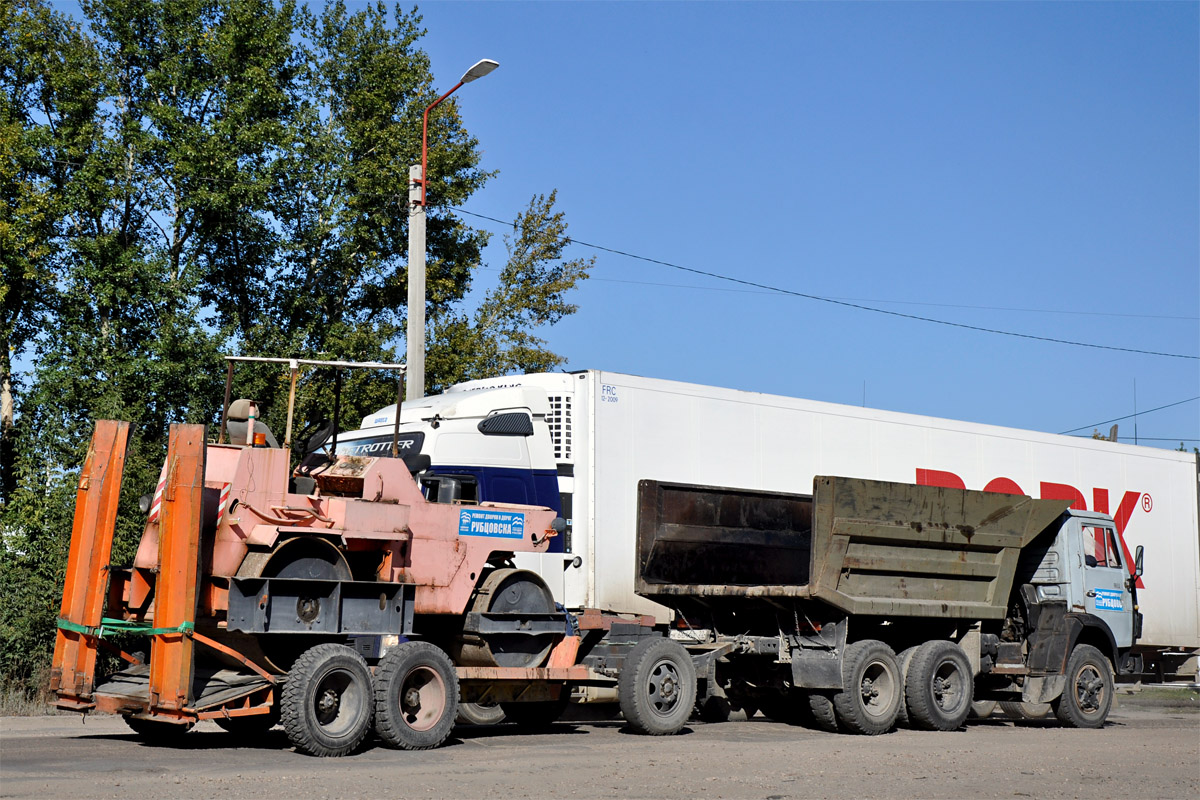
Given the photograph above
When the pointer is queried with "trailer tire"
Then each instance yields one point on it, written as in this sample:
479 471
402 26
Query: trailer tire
821 712
872 690
1024 712
715 709
480 714
158 732
939 686
657 687
251 725
326 707
416 696
904 658
1087 699
537 715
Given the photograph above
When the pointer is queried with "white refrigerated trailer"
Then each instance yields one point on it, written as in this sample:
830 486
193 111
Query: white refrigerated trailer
580 442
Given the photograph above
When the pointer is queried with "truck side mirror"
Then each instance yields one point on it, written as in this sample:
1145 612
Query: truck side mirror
1137 561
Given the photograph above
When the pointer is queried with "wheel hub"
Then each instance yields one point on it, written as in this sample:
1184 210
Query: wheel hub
664 687
328 704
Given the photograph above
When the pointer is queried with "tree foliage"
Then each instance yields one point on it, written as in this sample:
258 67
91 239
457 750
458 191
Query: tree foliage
189 178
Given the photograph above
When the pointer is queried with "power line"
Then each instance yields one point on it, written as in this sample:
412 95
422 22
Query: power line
1138 414
790 292
892 302
846 303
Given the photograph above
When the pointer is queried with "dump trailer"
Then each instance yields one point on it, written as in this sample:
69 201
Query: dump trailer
331 596
867 601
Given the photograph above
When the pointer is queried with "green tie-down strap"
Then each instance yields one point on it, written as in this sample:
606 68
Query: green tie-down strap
110 626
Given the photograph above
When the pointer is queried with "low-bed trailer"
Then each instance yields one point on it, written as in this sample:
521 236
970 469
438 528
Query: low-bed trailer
333 598
868 601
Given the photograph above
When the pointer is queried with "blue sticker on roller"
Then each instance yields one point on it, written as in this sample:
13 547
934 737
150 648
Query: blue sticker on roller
1109 600
497 524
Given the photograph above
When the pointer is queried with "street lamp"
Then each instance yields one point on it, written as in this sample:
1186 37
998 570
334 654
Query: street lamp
415 376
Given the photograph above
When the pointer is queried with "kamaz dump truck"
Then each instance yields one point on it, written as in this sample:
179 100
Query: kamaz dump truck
869 601
329 595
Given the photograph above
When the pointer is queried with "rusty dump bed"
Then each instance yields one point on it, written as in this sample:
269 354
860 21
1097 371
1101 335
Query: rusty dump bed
863 547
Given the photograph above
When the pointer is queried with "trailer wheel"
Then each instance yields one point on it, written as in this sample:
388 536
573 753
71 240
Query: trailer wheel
938 686
870 698
714 709
657 687
1021 711
326 704
416 696
1086 700
537 715
480 714
251 725
158 732
821 711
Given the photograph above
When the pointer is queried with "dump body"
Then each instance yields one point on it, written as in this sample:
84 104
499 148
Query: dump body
860 546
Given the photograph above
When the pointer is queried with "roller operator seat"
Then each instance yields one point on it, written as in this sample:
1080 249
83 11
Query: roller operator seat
237 420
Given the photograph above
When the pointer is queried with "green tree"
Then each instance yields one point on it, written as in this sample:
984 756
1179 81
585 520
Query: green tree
498 337
191 177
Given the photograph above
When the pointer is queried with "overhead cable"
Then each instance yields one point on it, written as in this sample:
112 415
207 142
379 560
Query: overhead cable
845 303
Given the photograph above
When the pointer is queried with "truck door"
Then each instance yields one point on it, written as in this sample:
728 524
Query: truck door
1106 593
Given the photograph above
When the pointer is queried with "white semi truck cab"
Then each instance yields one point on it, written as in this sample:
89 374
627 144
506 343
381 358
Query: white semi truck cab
484 441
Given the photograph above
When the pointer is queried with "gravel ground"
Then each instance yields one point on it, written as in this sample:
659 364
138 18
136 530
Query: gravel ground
1146 750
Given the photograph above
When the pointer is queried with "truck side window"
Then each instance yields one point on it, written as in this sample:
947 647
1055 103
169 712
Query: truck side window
1100 547
1112 552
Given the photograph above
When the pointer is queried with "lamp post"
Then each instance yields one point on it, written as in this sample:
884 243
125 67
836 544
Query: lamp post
415 376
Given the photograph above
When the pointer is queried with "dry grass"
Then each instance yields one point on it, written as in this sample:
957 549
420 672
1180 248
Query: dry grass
18 699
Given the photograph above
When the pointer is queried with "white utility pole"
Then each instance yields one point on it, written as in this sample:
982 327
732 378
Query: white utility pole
414 384
415 377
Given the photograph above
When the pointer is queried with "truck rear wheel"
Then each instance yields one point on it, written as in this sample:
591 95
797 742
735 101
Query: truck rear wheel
416 696
871 695
326 704
715 709
1029 712
821 711
904 658
1087 698
982 709
938 686
657 687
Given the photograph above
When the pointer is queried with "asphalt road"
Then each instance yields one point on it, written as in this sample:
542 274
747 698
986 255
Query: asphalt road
1141 753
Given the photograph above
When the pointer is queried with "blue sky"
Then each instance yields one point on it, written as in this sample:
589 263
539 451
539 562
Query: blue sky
1027 167
938 159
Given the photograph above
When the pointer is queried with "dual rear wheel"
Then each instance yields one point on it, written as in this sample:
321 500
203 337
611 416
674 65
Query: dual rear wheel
330 700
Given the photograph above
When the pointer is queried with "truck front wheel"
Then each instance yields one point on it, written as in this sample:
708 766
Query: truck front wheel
871 689
657 687
1087 698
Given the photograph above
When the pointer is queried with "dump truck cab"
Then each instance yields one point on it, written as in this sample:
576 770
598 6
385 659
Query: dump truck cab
1085 568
